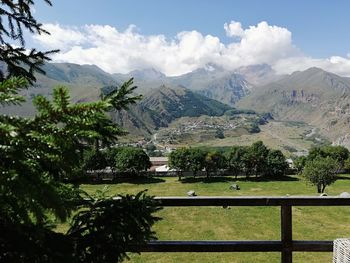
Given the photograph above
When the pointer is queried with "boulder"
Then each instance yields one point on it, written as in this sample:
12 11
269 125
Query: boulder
344 195
235 187
191 193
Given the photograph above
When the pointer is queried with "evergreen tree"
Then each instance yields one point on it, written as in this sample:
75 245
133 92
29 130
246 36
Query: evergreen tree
17 16
38 153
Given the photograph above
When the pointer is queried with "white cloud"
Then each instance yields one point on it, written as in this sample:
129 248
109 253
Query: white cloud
60 37
234 29
123 51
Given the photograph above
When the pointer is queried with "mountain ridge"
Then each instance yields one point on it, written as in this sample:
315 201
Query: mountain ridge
313 96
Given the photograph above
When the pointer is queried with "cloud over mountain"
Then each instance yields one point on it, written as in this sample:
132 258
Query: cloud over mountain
123 51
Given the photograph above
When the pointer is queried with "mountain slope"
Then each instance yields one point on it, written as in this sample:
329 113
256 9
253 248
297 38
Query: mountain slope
211 81
163 105
83 81
172 103
314 96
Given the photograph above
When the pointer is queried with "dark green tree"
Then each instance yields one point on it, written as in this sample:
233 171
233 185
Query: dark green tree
196 160
235 160
347 165
131 159
214 160
276 163
180 160
339 153
219 133
255 159
94 160
299 163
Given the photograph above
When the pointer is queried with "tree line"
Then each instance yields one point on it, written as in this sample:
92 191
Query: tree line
124 159
254 160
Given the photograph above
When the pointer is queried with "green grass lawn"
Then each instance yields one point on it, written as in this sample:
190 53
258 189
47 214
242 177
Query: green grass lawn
237 223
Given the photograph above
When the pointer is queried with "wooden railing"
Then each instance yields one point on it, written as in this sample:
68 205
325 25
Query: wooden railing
286 245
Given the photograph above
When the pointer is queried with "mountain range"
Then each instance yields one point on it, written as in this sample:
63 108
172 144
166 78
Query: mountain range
313 96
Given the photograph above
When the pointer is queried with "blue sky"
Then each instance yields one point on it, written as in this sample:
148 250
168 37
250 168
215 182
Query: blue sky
318 29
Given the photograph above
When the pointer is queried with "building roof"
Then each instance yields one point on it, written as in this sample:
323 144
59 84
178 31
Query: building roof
158 159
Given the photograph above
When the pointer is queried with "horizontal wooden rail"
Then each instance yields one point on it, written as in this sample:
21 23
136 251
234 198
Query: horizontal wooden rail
232 246
254 201
286 245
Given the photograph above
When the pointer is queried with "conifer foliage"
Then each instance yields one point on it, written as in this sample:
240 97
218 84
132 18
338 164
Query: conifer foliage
15 17
39 154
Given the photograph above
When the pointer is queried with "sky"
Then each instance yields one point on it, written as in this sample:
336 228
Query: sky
177 37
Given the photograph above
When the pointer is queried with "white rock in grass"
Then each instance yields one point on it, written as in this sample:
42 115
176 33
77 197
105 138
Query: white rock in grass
323 194
344 195
191 193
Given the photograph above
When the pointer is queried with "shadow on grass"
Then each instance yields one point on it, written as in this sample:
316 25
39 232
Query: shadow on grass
285 178
343 177
214 179
223 179
135 180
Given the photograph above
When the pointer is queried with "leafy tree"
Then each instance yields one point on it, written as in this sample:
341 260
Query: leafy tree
131 159
339 153
196 160
321 171
235 160
94 160
314 153
254 127
347 165
255 159
299 163
276 163
214 160
179 160
219 133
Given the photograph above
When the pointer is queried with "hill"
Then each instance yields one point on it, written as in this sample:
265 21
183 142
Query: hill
161 106
313 96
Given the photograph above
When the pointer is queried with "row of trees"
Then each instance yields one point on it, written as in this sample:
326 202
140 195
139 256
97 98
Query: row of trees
123 159
256 160
321 166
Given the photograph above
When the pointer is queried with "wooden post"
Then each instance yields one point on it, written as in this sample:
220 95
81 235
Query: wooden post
286 234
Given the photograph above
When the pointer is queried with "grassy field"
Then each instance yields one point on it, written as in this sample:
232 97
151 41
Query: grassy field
237 223
275 134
